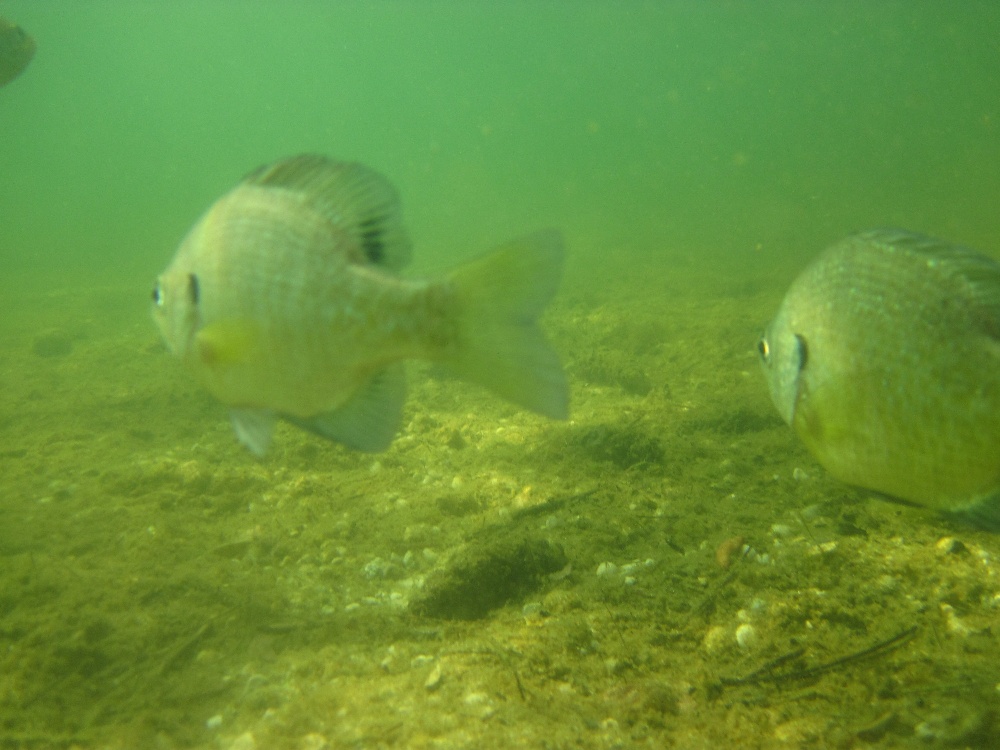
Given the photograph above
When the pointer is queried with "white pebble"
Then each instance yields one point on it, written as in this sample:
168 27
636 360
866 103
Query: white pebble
214 722
714 639
954 623
746 636
433 681
606 569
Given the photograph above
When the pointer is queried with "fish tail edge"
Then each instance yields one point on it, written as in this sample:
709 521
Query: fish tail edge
501 347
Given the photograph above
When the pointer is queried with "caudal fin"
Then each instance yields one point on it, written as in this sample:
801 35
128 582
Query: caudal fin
500 297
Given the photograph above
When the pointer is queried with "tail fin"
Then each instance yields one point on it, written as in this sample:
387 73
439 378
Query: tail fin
500 297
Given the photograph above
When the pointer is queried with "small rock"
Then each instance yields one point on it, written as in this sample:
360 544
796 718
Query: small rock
746 636
606 569
487 576
715 639
949 545
726 552
433 681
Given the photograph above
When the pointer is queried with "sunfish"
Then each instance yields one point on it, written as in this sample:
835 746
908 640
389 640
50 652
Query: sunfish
16 50
885 358
284 301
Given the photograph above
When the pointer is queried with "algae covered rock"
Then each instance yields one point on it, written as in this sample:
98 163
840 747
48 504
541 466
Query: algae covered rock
487 576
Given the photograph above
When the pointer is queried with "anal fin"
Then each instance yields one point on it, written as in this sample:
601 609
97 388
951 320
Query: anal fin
983 513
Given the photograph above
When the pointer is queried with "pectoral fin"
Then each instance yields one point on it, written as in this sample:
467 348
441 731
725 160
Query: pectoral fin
254 428
227 342
983 513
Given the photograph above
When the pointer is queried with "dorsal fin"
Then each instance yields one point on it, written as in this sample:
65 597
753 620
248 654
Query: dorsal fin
975 276
352 197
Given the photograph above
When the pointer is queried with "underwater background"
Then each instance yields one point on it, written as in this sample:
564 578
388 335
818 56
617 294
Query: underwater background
669 568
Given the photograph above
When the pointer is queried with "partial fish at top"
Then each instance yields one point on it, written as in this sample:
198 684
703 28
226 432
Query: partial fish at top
16 50
284 301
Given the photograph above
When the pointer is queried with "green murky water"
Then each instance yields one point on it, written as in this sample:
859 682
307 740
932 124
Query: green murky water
159 587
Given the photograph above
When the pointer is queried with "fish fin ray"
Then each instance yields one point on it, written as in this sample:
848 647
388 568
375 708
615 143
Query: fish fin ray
370 419
983 513
352 197
254 428
976 276
500 297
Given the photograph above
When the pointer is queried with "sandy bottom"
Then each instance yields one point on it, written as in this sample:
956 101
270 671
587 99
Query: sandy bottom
669 568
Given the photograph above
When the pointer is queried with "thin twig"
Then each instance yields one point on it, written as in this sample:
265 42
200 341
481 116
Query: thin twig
767 672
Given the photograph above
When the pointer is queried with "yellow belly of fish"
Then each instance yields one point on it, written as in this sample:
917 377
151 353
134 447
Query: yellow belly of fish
931 457
252 367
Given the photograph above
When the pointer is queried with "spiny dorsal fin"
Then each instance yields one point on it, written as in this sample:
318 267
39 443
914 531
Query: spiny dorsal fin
975 276
350 196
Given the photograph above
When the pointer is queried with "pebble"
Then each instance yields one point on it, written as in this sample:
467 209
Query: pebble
746 636
715 639
433 681
606 569
954 623
949 545
726 551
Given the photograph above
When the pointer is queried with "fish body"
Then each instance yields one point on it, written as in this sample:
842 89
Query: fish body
885 358
16 50
285 301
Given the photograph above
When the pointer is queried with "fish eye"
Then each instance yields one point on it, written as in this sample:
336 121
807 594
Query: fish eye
803 348
193 288
157 296
763 348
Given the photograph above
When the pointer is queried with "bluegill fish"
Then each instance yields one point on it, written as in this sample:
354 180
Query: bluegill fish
885 359
285 301
16 50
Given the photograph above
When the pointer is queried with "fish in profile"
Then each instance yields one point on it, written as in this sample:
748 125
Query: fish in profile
285 301
885 359
16 50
